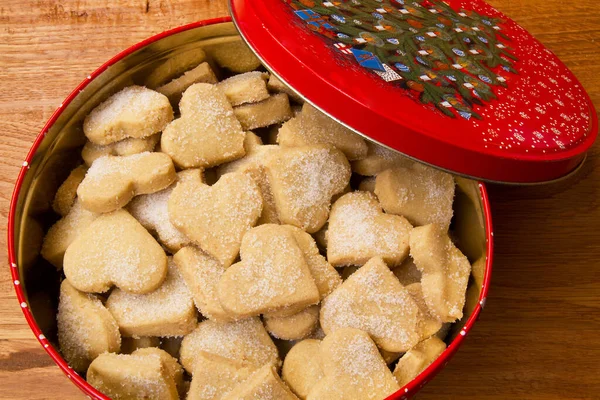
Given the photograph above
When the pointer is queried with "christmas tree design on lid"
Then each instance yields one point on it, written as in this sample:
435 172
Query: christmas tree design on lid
447 58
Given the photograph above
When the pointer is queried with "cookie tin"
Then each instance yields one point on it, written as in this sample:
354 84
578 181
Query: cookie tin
57 149
454 84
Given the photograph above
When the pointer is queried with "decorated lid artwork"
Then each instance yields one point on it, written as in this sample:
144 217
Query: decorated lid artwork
454 84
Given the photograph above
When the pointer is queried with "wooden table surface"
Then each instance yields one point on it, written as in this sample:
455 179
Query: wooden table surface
538 337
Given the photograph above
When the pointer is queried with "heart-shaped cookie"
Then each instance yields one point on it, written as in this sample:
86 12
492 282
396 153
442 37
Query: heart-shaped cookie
353 368
126 147
135 112
142 375
373 300
263 383
420 193
216 217
294 327
245 343
167 311
359 230
115 250
207 133
445 271
303 181
302 367
272 275
111 182
86 328
417 359
67 192
213 378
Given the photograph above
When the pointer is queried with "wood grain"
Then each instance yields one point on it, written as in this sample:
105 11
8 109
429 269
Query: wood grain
538 336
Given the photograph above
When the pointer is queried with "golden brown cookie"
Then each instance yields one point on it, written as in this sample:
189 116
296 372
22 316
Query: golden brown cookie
167 311
263 383
302 367
64 232
445 271
294 327
111 182
373 300
173 66
213 378
353 369
234 55
245 343
378 159
417 359
67 192
276 85
115 250
359 230
170 363
408 273
207 133
272 110
250 87
126 147
135 112
313 127
421 194
85 327
325 276
131 344
201 274
133 376
272 275
430 325
253 163
175 88
152 211
303 181
216 217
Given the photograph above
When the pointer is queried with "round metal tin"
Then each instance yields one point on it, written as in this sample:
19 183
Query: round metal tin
58 141
456 84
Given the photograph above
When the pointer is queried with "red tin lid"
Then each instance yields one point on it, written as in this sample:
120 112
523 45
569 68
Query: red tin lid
454 84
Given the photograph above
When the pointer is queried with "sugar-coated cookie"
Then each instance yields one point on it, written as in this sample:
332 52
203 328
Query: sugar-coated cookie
213 378
111 182
302 367
167 311
421 194
126 147
294 327
303 181
445 271
173 66
67 192
135 112
64 231
253 163
115 250
85 327
207 133
359 230
131 344
250 87
378 159
201 274
245 343
273 110
175 88
263 383
272 275
353 368
133 376
325 276
216 217
430 324
152 211
417 359
313 127
408 273
234 55
373 300
276 85
170 363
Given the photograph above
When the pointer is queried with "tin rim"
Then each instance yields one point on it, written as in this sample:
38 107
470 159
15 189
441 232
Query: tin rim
408 390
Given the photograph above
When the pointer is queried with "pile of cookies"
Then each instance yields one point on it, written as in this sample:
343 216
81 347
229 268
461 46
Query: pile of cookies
222 240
